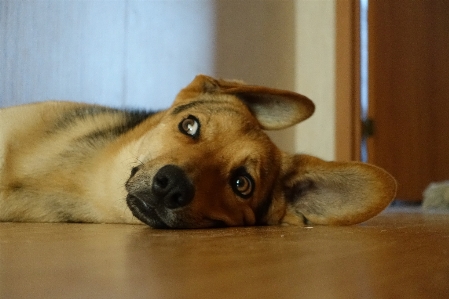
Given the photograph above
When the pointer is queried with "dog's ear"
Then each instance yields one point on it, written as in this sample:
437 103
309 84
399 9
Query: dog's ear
273 108
333 193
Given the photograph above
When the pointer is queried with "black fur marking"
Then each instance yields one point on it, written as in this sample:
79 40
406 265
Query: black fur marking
121 122
81 113
16 186
212 107
131 117
130 121
184 107
67 217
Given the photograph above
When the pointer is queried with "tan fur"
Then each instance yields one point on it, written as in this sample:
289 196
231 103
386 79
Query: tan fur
52 168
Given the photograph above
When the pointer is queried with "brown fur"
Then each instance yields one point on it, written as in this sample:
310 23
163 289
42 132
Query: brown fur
76 162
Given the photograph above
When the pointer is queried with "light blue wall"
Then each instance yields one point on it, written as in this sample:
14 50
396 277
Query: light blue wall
120 53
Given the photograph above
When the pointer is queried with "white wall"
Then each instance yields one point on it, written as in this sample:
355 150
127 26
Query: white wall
315 75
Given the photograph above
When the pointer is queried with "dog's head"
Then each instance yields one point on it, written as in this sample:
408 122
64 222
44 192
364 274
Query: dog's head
207 162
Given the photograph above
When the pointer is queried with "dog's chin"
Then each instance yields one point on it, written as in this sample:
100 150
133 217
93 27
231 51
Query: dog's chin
144 212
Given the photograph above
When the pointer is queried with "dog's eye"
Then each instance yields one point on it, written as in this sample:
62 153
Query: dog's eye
190 126
242 184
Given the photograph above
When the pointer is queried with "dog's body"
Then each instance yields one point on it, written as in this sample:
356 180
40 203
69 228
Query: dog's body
203 162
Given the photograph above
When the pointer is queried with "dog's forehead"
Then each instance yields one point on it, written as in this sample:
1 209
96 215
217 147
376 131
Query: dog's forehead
220 103
224 124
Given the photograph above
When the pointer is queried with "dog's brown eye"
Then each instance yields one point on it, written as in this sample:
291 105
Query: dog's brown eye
242 184
190 126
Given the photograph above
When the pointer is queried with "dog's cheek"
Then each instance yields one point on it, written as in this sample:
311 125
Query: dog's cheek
153 145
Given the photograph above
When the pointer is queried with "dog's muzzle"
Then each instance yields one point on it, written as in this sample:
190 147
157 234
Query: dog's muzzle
150 200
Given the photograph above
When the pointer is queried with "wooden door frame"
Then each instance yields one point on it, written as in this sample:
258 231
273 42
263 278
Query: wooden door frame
347 81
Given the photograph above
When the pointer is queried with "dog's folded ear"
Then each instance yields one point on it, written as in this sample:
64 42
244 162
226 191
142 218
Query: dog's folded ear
274 108
334 193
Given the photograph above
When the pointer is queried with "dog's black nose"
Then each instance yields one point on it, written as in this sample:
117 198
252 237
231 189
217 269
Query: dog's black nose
172 187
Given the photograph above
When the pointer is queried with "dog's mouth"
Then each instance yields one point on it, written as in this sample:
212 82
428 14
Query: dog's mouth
145 213
148 215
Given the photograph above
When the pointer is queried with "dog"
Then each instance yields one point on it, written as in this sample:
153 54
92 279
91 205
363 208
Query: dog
204 162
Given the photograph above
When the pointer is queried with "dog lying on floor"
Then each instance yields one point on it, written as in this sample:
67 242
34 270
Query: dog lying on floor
204 162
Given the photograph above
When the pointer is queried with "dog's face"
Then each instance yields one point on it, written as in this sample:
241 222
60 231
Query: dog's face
207 163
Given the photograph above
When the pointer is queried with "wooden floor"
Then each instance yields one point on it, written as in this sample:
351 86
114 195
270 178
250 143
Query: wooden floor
399 254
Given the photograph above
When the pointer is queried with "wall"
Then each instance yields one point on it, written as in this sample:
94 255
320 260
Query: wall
120 53
315 76
256 42
289 45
